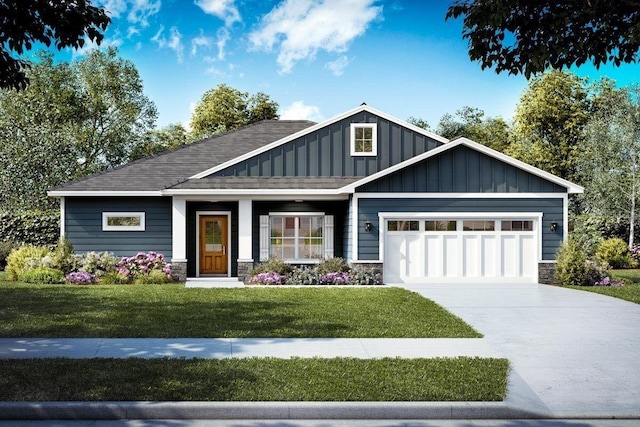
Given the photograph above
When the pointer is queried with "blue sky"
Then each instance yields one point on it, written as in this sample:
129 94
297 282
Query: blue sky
316 58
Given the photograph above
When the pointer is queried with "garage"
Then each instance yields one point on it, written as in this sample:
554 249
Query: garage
472 248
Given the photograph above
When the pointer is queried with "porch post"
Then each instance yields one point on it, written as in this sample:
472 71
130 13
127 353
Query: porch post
179 238
245 244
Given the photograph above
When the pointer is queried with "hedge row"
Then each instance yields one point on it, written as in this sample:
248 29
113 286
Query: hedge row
40 228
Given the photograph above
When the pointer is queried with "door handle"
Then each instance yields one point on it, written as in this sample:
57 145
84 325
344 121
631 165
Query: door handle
224 250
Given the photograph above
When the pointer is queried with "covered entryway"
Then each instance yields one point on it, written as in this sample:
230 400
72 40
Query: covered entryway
471 249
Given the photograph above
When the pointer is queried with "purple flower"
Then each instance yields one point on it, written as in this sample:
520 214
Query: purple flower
81 278
267 279
338 278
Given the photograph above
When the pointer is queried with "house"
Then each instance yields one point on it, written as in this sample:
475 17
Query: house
364 186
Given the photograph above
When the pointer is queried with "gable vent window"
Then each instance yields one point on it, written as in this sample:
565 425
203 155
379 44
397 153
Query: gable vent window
364 139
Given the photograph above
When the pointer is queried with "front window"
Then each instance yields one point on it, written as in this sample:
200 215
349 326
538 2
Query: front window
364 139
123 221
296 237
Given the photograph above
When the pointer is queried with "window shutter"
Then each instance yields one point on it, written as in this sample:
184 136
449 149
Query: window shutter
328 236
264 237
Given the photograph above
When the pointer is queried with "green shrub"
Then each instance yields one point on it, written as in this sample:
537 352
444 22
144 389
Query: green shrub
332 265
305 276
272 265
62 256
154 277
570 267
365 277
39 228
113 278
5 249
615 253
25 258
97 263
42 275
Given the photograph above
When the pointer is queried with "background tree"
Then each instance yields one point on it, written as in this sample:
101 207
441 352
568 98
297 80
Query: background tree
65 23
529 37
224 108
549 122
609 157
472 123
72 120
159 140
419 122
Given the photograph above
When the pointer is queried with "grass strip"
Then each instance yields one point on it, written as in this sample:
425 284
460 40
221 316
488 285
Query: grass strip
170 311
629 293
254 379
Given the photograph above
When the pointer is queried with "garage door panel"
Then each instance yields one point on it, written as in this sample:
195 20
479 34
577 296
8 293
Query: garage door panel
528 255
433 255
414 258
470 260
450 263
508 259
488 256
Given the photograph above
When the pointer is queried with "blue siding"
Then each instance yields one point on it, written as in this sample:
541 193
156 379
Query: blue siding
83 225
327 152
462 170
369 243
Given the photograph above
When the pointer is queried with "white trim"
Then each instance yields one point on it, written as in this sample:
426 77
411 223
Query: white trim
98 193
367 261
314 128
374 139
229 240
179 229
292 213
354 229
214 198
245 230
571 187
565 220
107 227
460 195
299 193
62 216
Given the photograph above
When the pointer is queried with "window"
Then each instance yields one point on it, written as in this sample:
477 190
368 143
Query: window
403 225
440 225
364 139
478 225
299 237
517 225
123 221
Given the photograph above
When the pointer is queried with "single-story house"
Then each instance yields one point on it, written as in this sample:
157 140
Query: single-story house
367 187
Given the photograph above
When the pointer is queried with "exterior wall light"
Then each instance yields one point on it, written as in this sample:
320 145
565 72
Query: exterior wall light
554 226
368 226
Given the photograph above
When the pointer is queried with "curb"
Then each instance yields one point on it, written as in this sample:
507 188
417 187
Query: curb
262 410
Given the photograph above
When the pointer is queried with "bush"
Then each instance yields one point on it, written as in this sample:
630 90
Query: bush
154 277
42 275
332 265
272 265
365 277
81 278
96 263
113 278
62 256
143 264
570 267
5 249
615 253
39 228
339 278
25 258
304 276
270 278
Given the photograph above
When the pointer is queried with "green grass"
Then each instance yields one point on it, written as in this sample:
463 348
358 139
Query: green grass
170 311
339 379
630 292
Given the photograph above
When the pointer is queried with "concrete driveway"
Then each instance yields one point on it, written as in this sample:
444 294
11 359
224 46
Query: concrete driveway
573 353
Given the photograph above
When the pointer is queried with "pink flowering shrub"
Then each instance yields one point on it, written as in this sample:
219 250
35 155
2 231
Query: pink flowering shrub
270 278
142 264
335 278
81 278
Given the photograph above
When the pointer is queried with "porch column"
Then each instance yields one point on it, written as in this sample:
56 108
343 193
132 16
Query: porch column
179 238
245 244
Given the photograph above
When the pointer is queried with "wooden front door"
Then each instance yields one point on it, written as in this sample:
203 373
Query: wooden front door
214 245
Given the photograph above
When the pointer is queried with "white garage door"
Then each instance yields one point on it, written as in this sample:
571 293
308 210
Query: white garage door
427 250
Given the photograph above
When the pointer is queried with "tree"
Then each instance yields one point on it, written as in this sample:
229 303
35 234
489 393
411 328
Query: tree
65 23
528 37
224 108
549 122
159 140
72 120
419 122
609 157
471 123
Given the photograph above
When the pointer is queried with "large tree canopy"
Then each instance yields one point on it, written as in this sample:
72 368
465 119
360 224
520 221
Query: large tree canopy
527 37
224 108
72 120
65 23
472 123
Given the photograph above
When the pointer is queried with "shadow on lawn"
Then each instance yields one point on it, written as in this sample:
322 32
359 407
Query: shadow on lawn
66 311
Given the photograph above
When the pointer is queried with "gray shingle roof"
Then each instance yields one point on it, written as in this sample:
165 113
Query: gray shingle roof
173 167
267 183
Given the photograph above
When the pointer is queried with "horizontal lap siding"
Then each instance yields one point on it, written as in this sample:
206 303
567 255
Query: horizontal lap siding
83 225
327 152
551 208
462 170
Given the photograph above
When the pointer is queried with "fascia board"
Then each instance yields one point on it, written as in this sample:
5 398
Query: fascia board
89 193
314 128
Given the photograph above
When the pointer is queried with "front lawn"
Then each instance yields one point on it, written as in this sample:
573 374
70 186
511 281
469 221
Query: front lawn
629 292
268 379
170 311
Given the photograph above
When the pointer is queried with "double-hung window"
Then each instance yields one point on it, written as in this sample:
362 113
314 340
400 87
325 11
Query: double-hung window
364 139
296 237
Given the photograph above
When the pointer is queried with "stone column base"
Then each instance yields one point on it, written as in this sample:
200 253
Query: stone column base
179 271
374 267
547 272
244 268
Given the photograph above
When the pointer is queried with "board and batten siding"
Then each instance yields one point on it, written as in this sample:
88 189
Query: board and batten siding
83 225
368 209
462 170
327 152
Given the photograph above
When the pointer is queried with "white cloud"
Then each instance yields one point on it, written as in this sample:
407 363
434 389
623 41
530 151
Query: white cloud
223 37
223 9
200 41
298 110
302 27
174 42
142 10
90 45
337 67
114 8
